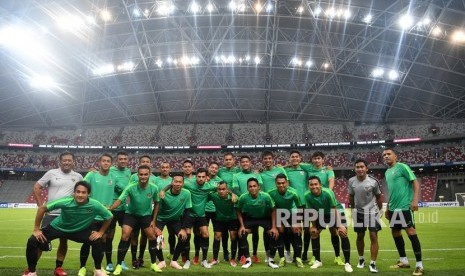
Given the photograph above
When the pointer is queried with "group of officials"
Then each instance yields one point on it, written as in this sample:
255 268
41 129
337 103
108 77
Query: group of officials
292 204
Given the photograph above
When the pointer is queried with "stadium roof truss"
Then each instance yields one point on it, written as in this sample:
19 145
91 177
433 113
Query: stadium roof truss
159 62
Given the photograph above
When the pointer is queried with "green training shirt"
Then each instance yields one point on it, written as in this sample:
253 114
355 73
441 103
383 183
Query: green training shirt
399 180
323 173
140 200
239 186
172 206
102 188
290 200
259 207
325 201
298 180
269 177
135 179
161 183
199 196
121 178
210 207
75 217
225 209
228 174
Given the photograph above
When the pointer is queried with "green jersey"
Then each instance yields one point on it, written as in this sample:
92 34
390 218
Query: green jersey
298 180
102 188
325 201
227 175
225 209
140 199
239 186
75 217
172 206
161 182
323 174
259 207
135 179
199 196
269 177
210 207
190 180
121 178
290 200
399 180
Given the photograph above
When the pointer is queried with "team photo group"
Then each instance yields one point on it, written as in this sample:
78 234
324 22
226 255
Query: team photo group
283 208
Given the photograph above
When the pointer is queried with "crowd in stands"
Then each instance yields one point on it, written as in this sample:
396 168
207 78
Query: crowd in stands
238 134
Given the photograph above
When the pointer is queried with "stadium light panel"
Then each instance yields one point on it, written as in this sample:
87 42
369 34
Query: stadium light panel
210 8
247 58
105 15
296 61
331 12
393 75
367 19
258 7
300 9
377 72
159 63
405 21
128 66
71 23
326 65
317 11
232 6
458 36
43 82
269 8
257 60
346 14
104 70
165 9
136 12
436 31
309 63
146 13
194 7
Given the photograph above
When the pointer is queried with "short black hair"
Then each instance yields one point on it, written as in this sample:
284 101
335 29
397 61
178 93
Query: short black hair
188 161
66 153
177 174
391 149
318 154
121 153
360 160
84 184
106 155
202 170
143 167
281 175
295 151
267 153
222 182
145 156
314 177
252 179
245 157
214 163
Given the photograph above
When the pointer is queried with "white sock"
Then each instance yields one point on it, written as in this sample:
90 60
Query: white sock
419 264
373 262
404 260
361 258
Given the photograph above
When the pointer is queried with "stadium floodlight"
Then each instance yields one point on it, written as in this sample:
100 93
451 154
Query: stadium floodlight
231 59
269 8
436 31
210 8
258 7
194 7
71 23
136 12
326 65
105 15
23 41
43 82
309 63
91 20
425 21
104 70
367 19
300 9
159 63
296 61
127 66
317 11
377 72
405 21
165 9
232 6
146 12
393 75
257 60
458 36
331 12
346 14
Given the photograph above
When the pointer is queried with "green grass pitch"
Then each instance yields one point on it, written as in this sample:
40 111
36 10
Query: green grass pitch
440 231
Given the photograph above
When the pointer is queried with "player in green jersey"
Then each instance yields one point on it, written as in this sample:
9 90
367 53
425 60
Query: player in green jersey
188 170
239 188
144 160
287 201
103 188
255 209
74 223
226 221
404 189
327 211
121 174
162 181
140 212
227 173
173 209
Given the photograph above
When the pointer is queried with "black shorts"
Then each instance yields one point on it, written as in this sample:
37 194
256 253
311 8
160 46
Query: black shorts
196 222
364 221
328 220
401 219
254 223
173 226
134 222
226 225
210 216
47 219
82 236
118 216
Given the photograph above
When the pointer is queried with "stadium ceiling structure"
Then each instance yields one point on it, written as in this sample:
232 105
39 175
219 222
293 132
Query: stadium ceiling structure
81 63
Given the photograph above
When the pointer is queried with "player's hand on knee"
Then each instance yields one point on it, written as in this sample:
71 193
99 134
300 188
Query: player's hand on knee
314 231
274 233
95 235
241 232
39 236
182 235
342 231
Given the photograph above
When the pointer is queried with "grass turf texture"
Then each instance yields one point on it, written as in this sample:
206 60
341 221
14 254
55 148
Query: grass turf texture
440 231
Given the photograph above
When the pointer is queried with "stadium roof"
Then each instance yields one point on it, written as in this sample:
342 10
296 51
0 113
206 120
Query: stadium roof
82 63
